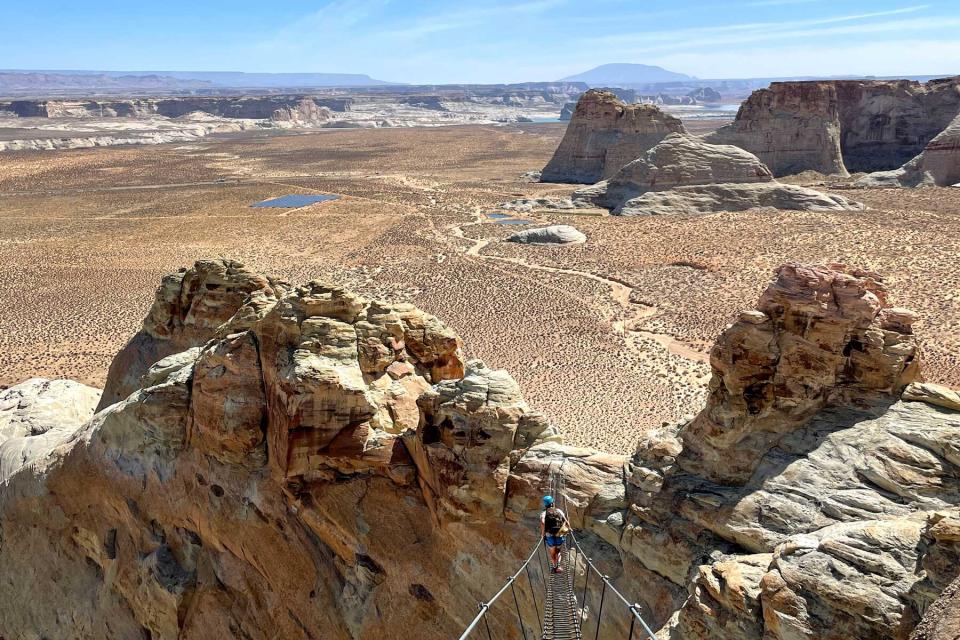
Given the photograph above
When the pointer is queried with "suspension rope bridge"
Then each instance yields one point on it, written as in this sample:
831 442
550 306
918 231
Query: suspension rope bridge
559 601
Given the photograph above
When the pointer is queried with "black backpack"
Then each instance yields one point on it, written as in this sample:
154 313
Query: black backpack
552 521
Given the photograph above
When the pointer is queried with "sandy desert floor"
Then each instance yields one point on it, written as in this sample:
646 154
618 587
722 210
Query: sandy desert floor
607 338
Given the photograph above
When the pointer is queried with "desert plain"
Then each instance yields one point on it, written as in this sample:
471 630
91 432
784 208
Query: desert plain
607 338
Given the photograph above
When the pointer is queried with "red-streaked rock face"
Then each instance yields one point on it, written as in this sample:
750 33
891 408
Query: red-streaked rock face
603 135
845 125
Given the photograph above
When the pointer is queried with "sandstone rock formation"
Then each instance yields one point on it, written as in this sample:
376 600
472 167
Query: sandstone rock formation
304 111
603 135
188 308
37 412
247 107
831 513
845 125
319 465
942 619
937 165
705 95
683 174
290 472
555 234
818 336
734 197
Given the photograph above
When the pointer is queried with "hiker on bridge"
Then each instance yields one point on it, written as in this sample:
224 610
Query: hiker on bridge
553 526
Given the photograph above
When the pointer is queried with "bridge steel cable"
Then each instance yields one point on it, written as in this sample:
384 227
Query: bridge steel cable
563 617
558 487
607 587
480 620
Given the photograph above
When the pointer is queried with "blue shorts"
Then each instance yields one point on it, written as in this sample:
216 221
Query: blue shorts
554 541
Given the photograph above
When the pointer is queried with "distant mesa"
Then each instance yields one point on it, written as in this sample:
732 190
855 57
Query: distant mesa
625 74
603 135
15 82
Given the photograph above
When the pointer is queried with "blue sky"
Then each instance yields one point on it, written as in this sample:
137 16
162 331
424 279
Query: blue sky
499 41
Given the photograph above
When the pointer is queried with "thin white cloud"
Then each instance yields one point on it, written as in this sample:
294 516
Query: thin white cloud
896 57
737 40
465 18
744 28
779 3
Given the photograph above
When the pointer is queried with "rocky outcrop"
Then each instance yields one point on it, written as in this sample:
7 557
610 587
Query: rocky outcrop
818 336
603 135
845 125
684 175
322 465
791 127
734 197
308 470
938 165
305 111
942 619
705 95
556 234
830 513
188 308
36 413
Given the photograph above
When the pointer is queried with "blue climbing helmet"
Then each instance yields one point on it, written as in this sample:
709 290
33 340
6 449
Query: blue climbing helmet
547 501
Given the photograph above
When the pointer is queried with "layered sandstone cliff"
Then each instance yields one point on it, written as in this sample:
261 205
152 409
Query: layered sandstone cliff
845 125
246 107
682 174
938 165
313 464
603 135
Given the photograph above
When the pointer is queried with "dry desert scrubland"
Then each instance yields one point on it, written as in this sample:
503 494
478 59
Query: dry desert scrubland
607 338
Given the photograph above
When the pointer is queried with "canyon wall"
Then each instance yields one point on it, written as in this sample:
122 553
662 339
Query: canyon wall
841 126
310 464
250 107
937 165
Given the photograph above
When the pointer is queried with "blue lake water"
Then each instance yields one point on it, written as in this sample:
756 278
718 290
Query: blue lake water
514 221
293 201
504 218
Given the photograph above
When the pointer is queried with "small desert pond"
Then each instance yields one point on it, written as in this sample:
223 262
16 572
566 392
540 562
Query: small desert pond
503 218
293 201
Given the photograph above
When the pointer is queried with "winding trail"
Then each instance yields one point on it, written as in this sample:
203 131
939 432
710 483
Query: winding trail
625 319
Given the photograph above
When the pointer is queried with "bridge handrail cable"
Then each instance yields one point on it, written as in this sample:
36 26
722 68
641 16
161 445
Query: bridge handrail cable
485 606
559 486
